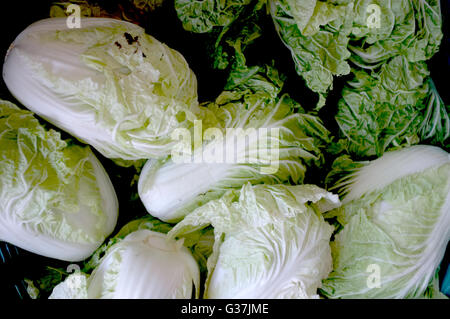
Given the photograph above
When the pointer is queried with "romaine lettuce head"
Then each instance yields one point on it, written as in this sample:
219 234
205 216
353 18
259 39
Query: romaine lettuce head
144 265
271 241
56 199
108 83
263 139
394 226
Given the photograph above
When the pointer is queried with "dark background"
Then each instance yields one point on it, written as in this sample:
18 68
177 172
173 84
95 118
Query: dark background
15 263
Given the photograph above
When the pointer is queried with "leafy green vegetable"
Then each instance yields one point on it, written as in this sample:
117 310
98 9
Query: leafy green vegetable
199 243
144 265
246 228
397 106
203 16
227 23
263 139
317 33
323 36
270 241
396 226
408 28
56 199
107 83
44 285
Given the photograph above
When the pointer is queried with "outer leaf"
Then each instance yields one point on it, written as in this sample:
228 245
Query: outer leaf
202 16
396 226
270 241
144 265
397 106
56 199
107 83
170 189
409 28
317 33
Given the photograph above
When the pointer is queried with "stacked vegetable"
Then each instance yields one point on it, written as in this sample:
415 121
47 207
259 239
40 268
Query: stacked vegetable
281 207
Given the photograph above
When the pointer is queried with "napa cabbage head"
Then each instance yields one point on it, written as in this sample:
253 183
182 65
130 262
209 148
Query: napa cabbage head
385 29
271 241
107 83
203 16
145 264
393 226
223 22
261 136
396 106
317 34
199 243
56 199
323 36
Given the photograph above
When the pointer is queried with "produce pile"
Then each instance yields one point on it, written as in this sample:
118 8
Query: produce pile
250 149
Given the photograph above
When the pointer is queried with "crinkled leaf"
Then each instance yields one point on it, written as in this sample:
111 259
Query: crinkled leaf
270 241
56 199
409 28
395 226
394 107
317 33
202 16
284 142
107 83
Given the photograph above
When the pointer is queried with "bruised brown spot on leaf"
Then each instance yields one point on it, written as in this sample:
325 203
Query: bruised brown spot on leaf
130 38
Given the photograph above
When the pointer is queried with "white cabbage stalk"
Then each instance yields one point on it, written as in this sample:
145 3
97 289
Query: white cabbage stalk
144 265
392 166
285 141
271 241
56 199
396 226
107 83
